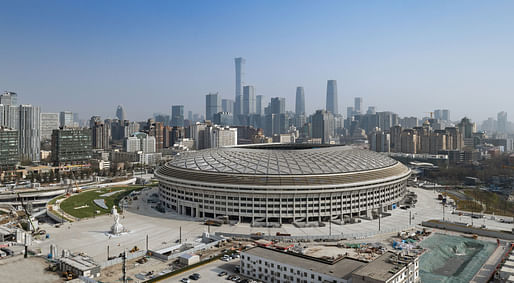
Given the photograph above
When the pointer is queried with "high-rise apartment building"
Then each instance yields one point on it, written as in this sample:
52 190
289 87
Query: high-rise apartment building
101 135
177 116
238 106
48 122
29 132
332 104
212 105
140 142
300 101
223 136
248 100
66 119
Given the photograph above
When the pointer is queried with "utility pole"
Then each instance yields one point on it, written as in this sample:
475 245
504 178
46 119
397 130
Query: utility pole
146 242
124 266
108 252
379 221
180 234
410 217
330 226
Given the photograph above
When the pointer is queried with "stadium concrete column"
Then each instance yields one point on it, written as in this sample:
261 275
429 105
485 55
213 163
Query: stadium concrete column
319 207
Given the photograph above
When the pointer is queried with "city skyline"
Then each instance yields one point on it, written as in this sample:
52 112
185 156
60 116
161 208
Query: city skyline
390 67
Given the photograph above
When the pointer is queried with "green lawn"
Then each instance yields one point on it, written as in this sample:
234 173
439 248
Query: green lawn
87 198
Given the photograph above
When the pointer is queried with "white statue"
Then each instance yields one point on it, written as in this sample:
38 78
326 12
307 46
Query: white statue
116 228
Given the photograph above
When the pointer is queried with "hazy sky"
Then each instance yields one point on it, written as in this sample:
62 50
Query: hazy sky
405 56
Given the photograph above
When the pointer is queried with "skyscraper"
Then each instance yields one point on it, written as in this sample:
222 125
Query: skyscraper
322 125
502 122
29 135
212 105
66 119
357 105
120 113
278 105
300 101
332 104
177 116
9 98
49 122
227 105
446 114
248 100
238 106
259 104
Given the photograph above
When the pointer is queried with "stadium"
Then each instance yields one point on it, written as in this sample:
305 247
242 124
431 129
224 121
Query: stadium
279 183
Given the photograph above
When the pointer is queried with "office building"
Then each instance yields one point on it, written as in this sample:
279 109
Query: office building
49 122
259 105
177 116
276 121
71 146
323 126
357 105
120 113
227 105
446 115
66 119
248 100
502 122
9 116
238 105
371 110
212 105
29 132
350 112
9 98
332 104
278 105
9 155
223 119
300 101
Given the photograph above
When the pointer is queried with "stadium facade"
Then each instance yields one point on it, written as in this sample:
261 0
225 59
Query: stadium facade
282 183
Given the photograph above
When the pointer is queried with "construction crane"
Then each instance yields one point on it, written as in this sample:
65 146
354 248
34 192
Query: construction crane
27 213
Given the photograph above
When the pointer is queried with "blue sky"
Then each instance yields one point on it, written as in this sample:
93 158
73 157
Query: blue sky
405 56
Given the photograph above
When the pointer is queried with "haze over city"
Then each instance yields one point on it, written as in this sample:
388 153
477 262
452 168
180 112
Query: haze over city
406 57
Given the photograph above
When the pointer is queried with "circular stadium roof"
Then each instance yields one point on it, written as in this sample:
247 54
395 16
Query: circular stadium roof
283 165
282 160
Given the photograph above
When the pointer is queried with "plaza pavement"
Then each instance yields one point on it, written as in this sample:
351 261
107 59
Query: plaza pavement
90 236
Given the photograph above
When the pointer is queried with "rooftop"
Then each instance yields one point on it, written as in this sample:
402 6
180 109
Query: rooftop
288 166
79 262
281 159
342 268
385 266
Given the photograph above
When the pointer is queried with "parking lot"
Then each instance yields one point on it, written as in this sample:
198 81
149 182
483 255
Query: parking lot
217 271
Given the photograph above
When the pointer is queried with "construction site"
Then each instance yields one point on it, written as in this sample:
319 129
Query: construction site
129 239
